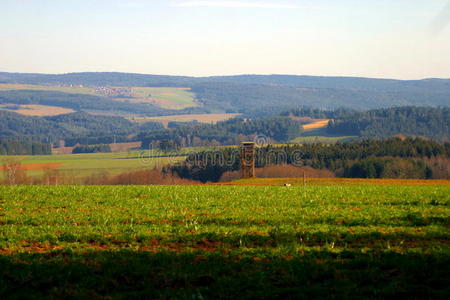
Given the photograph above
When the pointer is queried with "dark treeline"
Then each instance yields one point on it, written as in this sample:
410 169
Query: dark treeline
15 147
427 122
74 128
229 132
418 121
318 113
255 98
390 158
85 129
101 148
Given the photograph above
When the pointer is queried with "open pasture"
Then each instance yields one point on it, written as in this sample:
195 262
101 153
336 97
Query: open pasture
322 139
38 110
82 165
170 98
209 242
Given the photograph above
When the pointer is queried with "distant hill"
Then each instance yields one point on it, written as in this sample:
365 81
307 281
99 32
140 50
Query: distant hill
256 95
412 121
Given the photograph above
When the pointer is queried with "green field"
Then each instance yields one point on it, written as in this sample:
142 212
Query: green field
233 242
178 98
322 139
320 135
81 165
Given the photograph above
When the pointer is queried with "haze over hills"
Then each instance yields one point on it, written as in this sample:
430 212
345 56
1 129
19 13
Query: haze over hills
135 79
252 95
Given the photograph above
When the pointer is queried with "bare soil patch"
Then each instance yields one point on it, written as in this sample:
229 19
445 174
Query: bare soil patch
41 110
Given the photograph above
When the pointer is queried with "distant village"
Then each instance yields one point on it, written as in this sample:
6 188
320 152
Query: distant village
114 92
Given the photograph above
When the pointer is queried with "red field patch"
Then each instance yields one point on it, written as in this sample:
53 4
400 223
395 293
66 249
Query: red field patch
41 110
38 166
12 86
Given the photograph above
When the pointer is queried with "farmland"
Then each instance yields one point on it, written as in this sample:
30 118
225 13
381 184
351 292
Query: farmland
37 110
314 131
82 165
317 124
170 98
322 139
207 242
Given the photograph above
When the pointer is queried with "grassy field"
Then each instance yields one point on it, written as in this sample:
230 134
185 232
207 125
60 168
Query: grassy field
316 132
170 98
37 110
321 139
82 165
230 242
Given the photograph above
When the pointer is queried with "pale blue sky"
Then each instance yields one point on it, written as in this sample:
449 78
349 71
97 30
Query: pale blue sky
406 39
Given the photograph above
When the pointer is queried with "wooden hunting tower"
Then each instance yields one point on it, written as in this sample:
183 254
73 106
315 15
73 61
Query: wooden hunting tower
248 154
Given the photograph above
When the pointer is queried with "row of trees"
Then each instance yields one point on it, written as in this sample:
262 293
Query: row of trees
101 148
393 158
229 132
15 147
74 128
419 121
428 122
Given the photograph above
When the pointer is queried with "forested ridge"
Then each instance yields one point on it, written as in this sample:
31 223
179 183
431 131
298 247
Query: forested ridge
418 121
82 128
73 128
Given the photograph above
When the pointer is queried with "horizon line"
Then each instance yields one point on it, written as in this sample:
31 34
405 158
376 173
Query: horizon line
238 74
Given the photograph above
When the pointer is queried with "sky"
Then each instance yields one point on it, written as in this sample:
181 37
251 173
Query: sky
402 39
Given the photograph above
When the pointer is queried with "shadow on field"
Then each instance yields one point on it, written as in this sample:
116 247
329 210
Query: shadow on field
208 275
410 219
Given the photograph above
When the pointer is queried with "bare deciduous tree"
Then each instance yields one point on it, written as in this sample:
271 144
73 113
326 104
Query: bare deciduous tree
14 173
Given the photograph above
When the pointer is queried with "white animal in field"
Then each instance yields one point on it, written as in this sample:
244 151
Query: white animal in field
287 184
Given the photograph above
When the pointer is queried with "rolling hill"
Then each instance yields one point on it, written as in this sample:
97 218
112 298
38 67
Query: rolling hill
251 95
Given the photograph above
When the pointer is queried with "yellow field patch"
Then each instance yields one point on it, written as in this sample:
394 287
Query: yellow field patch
317 124
40 110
